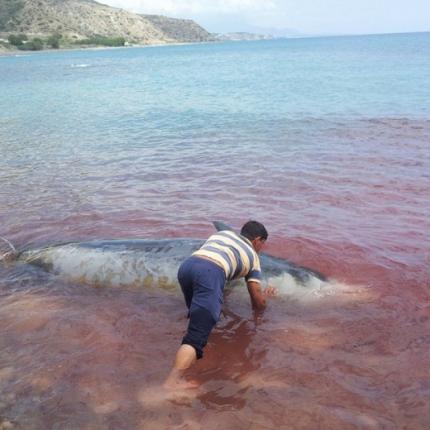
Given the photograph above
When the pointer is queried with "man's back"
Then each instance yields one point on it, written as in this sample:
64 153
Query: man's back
234 253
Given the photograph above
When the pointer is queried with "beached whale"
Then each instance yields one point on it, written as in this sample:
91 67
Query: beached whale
147 262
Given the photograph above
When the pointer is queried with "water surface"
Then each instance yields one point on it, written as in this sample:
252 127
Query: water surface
324 140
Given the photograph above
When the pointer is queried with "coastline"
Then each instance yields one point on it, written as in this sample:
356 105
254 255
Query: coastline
4 52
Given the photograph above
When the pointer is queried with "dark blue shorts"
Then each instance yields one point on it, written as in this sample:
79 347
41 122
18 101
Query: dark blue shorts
202 283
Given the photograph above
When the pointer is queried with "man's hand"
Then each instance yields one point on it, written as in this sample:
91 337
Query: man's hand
270 291
258 296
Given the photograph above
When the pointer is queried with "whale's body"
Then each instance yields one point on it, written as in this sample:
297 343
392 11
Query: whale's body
142 262
137 262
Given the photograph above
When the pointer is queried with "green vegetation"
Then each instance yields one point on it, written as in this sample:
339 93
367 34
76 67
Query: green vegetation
102 41
23 43
8 10
17 39
53 41
4 45
35 44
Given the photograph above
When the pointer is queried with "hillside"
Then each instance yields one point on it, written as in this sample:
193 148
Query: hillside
181 30
80 19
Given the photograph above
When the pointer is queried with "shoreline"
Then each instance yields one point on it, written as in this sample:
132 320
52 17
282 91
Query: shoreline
17 52
5 52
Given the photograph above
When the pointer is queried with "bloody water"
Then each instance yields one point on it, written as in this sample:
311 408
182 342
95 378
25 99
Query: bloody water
345 195
75 356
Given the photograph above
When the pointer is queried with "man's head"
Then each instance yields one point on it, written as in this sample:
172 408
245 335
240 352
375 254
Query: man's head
256 233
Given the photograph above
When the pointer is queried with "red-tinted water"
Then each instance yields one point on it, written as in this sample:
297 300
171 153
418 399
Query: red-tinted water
355 208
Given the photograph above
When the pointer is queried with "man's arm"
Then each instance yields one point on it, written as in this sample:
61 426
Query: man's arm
258 296
257 299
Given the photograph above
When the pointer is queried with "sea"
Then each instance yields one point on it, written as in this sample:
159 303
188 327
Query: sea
324 140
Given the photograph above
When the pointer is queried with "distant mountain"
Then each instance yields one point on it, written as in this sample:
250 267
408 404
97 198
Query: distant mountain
240 36
277 33
287 33
80 19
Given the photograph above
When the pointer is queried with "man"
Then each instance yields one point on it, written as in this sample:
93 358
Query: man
223 257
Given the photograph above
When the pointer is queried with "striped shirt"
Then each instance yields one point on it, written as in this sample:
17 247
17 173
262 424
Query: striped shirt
234 253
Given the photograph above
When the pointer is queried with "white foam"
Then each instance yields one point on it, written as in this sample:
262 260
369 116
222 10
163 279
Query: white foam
288 286
314 289
105 267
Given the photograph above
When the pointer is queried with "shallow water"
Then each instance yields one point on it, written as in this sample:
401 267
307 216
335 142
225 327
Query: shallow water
326 141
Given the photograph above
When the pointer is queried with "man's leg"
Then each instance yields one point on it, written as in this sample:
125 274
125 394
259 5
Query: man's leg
205 307
185 357
185 278
200 325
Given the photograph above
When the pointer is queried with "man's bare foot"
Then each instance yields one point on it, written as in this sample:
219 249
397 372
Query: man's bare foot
176 382
157 395
180 385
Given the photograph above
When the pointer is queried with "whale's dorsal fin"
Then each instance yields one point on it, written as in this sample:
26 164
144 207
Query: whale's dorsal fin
219 225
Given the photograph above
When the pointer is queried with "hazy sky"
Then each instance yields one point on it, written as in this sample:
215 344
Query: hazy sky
305 16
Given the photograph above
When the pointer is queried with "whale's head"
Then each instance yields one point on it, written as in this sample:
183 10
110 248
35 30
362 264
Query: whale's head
282 273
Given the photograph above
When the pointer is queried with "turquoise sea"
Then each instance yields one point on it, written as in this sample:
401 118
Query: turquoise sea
325 140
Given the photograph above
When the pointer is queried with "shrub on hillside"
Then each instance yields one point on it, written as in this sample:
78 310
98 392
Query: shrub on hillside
102 41
54 40
35 44
17 39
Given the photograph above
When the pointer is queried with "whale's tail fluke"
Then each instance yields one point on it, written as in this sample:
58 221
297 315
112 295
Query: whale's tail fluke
10 254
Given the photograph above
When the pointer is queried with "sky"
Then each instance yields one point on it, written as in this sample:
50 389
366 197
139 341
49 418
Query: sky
288 17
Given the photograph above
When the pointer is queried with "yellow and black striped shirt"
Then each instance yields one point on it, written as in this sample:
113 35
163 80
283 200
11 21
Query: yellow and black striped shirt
234 253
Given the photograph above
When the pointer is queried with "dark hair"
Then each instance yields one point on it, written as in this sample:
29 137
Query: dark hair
254 229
